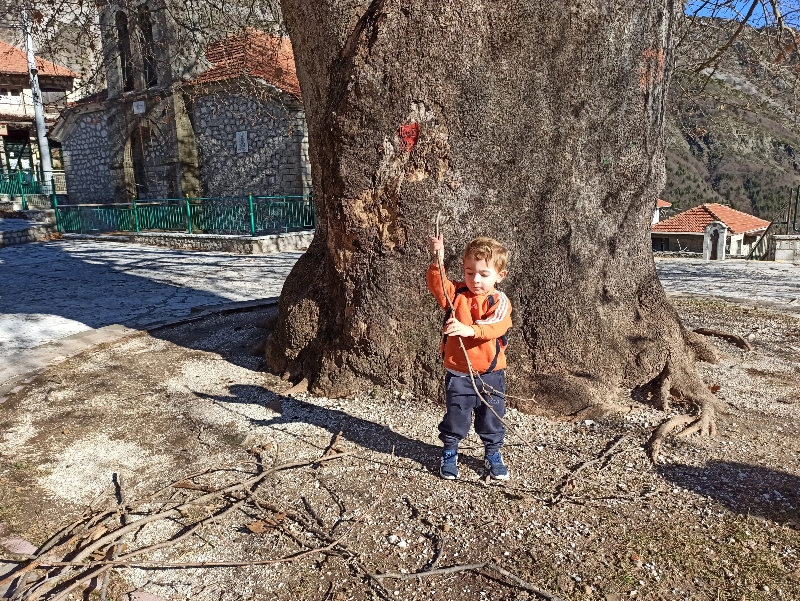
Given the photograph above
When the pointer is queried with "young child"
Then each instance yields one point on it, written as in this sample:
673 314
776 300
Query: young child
482 318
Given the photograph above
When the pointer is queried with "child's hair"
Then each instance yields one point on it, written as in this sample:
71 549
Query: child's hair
488 249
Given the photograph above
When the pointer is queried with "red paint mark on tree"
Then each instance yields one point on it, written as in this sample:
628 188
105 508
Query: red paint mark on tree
409 134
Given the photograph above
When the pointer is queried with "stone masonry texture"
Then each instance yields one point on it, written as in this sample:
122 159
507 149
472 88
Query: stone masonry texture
276 162
86 160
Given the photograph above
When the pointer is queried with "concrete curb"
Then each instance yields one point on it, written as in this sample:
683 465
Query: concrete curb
99 237
40 358
231 243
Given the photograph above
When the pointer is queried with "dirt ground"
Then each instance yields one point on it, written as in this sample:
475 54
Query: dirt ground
715 519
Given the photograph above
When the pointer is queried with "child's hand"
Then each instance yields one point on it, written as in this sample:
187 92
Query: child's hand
436 246
453 327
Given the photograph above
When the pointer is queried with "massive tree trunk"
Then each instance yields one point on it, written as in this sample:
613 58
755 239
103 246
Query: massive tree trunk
537 123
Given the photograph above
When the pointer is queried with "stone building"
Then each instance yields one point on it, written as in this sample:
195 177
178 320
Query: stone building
226 124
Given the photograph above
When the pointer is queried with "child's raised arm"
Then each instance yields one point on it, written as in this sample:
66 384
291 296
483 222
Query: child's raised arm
436 248
433 278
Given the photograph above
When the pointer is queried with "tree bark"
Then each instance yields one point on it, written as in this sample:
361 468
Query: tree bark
537 123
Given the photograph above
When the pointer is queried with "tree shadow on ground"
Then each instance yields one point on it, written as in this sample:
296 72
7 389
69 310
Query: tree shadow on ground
238 341
743 488
57 289
356 430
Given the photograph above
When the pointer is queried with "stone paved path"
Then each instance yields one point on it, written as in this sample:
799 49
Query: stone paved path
49 292
54 290
762 283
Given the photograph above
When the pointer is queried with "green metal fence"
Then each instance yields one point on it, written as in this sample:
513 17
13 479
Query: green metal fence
241 215
28 185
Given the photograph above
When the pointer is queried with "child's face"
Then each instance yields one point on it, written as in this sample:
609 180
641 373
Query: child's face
480 276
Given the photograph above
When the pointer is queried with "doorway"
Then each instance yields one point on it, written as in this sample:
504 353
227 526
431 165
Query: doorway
134 163
714 244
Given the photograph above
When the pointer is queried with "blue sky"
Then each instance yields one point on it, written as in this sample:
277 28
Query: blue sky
736 9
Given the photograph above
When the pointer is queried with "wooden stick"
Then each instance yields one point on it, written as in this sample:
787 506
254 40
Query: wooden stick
124 520
207 497
413 576
473 566
570 476
522 584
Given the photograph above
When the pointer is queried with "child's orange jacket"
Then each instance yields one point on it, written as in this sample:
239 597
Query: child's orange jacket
488 314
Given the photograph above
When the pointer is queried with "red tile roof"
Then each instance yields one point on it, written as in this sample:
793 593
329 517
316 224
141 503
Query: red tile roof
694 221
14 61
253 53
663 204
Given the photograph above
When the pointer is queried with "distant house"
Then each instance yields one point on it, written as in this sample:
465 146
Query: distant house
662 206
19 146
713 230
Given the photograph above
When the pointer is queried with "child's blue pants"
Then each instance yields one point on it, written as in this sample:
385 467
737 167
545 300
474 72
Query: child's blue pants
462 402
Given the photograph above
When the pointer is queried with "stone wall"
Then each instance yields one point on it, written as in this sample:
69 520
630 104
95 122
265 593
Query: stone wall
276 161
243 245
47 216
785 248
86 160
29 232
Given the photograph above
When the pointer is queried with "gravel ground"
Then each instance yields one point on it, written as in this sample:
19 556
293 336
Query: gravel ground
716 519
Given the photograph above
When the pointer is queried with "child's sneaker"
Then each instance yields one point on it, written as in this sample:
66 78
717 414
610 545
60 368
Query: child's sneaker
448 469
497 469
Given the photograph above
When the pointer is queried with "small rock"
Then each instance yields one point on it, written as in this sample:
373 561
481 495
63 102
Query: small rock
18 545
587 590
402 544
393 539
446 527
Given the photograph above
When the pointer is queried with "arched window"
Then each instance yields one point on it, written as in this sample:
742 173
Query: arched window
148 48
124 47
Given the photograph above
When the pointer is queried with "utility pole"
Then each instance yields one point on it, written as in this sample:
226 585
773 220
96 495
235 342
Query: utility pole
38 108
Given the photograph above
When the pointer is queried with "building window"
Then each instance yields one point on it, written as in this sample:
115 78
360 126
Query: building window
124 47
148 48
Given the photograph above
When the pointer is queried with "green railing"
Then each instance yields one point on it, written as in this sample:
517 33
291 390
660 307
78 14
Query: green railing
241 215
26 183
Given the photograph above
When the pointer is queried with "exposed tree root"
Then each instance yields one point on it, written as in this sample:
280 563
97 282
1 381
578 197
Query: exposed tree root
301 386
734 339
687 386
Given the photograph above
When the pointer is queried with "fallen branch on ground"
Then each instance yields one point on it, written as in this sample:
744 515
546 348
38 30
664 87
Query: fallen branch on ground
566 481
472 566
77 570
